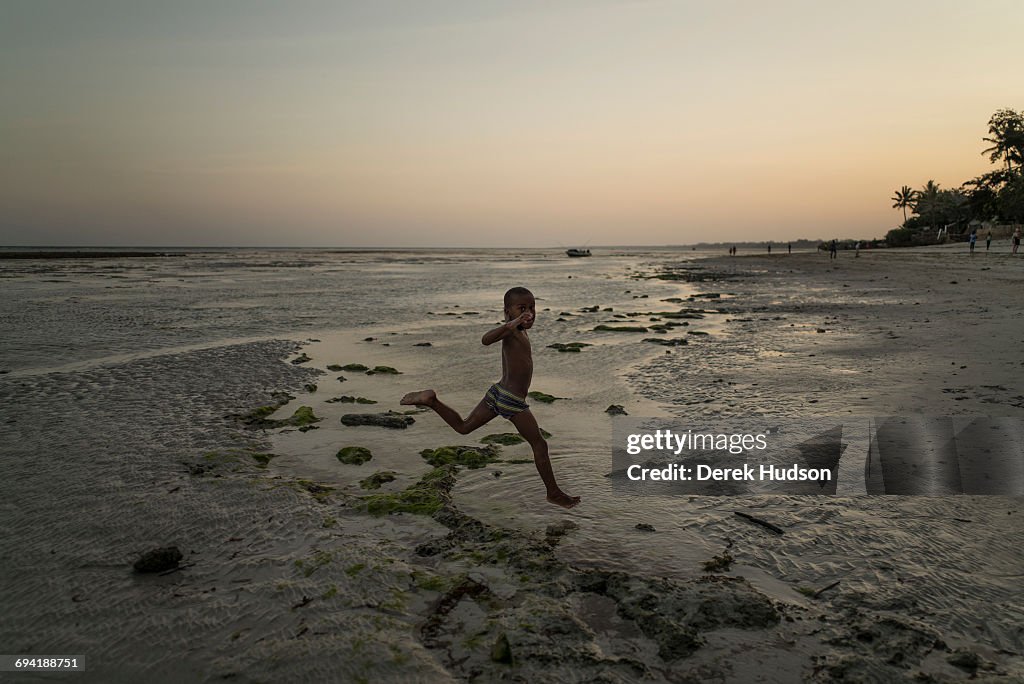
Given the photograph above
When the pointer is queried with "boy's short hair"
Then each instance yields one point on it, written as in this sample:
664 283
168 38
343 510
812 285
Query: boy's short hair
516 292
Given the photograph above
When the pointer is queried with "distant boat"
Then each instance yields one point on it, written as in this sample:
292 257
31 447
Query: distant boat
574 252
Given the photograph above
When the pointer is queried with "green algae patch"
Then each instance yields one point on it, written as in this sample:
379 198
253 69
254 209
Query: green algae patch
354 455
346 399
503 438
302 416
334 367
517 461
501 651
353 367
262 412
429 582
620 328
320 492
719 563
377 479
383 370
426 497
510 438
307 566
543 397
468 456
262 460
258 418
215 463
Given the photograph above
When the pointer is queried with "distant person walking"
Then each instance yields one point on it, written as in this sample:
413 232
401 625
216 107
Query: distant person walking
789 248
1016 241
833 249
973 239
769 248
988 240
856 250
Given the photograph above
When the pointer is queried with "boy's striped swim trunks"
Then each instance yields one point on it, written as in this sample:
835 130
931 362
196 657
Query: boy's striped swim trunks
503 402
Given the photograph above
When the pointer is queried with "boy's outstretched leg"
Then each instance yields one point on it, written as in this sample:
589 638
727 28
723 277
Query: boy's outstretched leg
479 416
527 426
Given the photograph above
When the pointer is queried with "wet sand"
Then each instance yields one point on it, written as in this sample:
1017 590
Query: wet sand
290 571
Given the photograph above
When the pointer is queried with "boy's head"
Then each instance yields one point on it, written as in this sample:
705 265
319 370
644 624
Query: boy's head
518 301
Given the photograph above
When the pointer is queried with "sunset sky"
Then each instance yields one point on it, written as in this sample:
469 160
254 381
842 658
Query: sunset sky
476 123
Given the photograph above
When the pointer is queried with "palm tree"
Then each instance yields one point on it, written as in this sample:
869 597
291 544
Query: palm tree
927 201
904 198
1007 130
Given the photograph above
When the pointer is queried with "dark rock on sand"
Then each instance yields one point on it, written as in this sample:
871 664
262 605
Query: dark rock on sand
423 344
965 660
616 410
158 560
619 328
334 367
677 342
396 421
383 370
346 399
354 367
645 527
309 387
303 358
685 313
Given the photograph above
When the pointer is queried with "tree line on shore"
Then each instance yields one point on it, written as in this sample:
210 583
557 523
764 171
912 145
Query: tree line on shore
995 197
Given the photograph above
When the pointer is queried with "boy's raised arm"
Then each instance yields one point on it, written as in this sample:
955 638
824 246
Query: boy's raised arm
502 331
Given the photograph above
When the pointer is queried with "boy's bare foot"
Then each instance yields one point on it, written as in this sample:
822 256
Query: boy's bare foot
422 398
564 500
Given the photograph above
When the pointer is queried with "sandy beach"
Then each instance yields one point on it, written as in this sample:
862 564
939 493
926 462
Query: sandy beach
150 405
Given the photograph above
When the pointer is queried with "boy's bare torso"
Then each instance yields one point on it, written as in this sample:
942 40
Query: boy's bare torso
516 363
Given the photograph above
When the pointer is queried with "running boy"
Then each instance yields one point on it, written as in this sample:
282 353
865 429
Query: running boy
507 397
